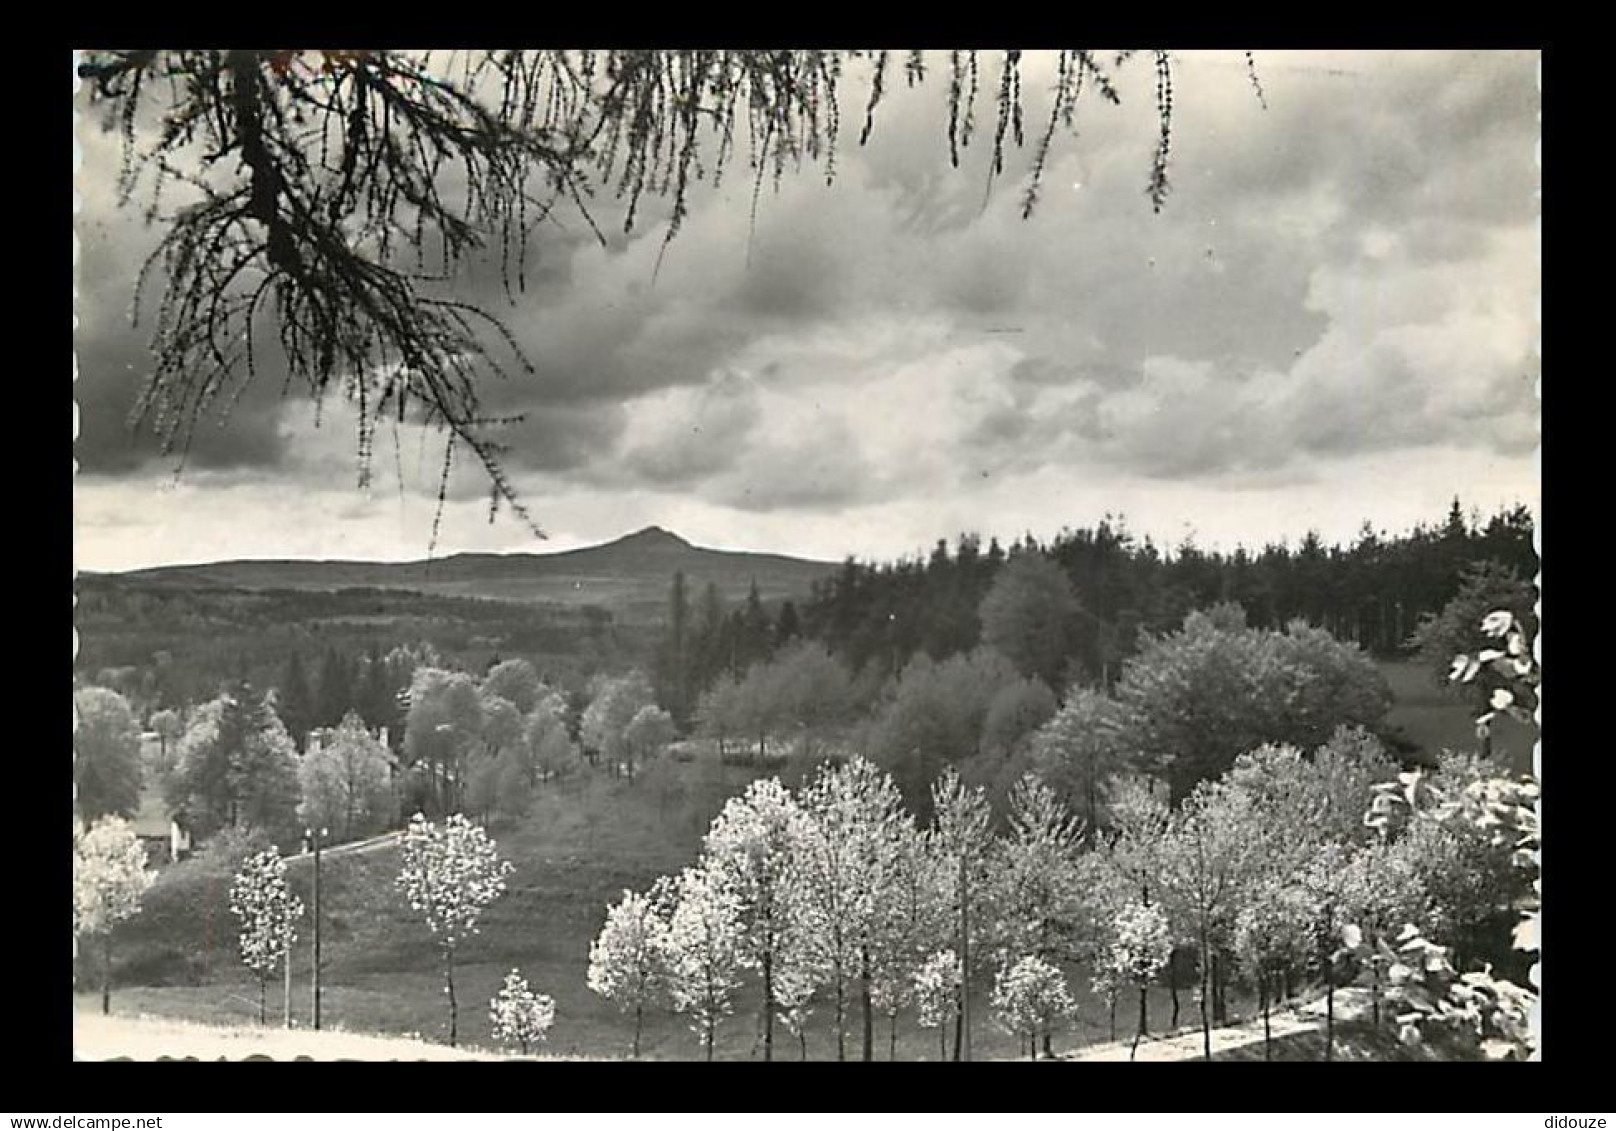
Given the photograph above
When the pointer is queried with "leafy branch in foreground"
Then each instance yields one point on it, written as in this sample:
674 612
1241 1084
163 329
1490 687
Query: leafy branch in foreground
1499 1015
363 180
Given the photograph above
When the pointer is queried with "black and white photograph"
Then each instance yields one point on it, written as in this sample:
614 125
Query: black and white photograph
804 555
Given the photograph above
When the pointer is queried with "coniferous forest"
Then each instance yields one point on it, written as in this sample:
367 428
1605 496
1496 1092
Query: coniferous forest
1374 592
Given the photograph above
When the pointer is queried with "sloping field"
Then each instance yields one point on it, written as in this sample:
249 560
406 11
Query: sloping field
583 843
98 1037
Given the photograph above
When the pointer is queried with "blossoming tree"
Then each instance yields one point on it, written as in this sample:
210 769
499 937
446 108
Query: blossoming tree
755 845
849 861
628 961
518 1015
1141 944
962 835
937 995
450 873
109 877
268 913
704 941
1030 998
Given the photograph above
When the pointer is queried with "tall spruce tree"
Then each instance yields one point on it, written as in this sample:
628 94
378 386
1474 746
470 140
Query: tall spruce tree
296 702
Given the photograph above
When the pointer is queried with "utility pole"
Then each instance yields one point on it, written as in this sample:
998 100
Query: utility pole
315 836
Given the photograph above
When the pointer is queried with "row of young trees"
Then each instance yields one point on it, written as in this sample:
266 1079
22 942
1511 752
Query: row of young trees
834 897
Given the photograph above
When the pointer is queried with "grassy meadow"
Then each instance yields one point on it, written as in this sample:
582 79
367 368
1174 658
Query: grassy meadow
583 842
1431 719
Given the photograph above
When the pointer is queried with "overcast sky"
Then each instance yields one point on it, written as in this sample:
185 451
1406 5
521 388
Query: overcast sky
1334 319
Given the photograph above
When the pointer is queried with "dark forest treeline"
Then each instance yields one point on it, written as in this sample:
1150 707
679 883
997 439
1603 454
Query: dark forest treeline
877 616
1373 592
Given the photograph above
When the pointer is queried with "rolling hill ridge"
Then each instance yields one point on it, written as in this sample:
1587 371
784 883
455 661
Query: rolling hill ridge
629 576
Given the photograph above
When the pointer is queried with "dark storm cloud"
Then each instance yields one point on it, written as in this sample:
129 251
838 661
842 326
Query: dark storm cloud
1341 274
114 360
561 437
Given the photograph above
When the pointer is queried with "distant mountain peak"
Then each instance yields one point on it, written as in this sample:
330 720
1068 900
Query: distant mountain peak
656 536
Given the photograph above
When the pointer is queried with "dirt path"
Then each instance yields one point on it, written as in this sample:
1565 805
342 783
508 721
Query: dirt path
1187 1044
352 848
1308 1017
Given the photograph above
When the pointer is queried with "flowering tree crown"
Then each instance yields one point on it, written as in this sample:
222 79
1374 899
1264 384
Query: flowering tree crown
450 873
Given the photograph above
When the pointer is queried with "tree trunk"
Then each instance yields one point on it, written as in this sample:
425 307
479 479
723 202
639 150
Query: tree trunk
768 1005
942 1042
964 1035
1374 989
864 1003
959 1030
1329 1011
1172 985
841 1018
712 1025
1143 991
263 998
1049 1052
639 1020
1267 1033
892 1037
1206 1018
1220 1011
454 1007
106 973
1113 1016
